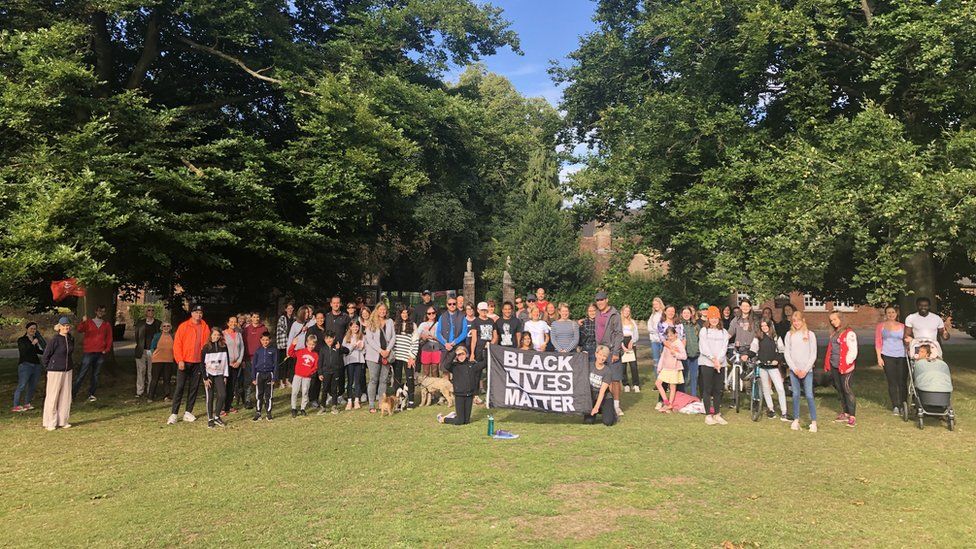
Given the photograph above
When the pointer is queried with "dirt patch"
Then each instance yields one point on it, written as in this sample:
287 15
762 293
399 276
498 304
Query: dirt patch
576 491
582 524
664 482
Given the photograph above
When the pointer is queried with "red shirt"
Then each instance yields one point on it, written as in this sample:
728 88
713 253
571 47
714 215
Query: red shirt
306 362
98 339
542 304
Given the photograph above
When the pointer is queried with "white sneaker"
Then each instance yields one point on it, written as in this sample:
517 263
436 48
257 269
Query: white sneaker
658 406
721 420
188 417
171 420
795 426
626 388
813 427
709 420
92 398
636 388
619 411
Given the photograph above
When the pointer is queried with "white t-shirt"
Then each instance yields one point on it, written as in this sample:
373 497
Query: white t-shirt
538 329
925 327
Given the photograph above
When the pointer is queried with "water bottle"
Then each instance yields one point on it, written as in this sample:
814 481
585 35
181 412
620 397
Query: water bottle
491 425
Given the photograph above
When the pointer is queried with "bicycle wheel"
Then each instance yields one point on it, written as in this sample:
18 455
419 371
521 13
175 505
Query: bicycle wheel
755 407
736 389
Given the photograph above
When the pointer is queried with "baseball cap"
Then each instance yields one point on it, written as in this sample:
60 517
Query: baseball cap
702 306
425 292
530 297
600 295
482 306
196 308
64 321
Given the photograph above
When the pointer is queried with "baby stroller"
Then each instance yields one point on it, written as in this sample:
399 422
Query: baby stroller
927 403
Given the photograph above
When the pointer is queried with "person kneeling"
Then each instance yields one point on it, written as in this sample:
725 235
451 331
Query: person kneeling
600 380
465 376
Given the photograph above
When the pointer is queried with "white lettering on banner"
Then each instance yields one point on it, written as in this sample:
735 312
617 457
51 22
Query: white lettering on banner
549 363
516 397
540 382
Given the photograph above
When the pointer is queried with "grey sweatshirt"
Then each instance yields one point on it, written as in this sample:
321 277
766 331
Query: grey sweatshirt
373 342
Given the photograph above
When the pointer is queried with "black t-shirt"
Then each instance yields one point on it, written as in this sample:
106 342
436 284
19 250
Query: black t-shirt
597 378
337 323
508 328
484 331
420 312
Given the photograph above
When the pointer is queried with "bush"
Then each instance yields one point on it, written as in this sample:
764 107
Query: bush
138 310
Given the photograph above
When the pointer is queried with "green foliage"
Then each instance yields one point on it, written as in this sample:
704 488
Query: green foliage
820 145
137 311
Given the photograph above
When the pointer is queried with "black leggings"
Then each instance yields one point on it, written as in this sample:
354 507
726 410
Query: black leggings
216 394
607 411
264 391
713 384
462 409
160 371
896 372
842 382
287 367
399 367
233 380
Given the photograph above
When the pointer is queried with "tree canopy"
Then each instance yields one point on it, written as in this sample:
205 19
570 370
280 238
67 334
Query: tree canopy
773 145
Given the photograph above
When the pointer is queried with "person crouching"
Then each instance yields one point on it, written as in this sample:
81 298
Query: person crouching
216 363
600 380
306 364
465 375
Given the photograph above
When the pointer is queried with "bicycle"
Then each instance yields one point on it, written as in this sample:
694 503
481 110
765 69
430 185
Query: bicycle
756 404
733 377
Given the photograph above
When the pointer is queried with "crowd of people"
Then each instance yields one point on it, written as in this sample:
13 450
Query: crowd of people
348 356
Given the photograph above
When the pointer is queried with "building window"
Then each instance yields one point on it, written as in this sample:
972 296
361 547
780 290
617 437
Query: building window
742 295
811 303
844 306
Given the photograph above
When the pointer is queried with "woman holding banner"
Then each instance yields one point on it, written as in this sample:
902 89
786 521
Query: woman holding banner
600 381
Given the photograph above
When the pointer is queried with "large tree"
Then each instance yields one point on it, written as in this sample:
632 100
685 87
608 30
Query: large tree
822 145
239 146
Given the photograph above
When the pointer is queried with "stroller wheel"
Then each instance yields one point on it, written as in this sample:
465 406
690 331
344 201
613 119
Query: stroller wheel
904 411
951 422
921 421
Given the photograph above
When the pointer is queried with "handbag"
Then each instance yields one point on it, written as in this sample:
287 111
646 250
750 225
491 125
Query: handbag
629 356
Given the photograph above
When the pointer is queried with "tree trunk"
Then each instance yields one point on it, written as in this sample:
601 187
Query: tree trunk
920 279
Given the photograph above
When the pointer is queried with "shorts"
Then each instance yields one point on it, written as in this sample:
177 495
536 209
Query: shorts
672 377
616 371
430 357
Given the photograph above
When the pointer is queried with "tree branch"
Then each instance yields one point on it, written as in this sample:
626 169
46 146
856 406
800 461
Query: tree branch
255 73
189 165
868 11
846 47
102 44
150 50
220 102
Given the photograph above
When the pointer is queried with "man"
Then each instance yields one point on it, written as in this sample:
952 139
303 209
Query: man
925 324
338 321
420 311
520 308
609 332
97 344
460 303
188 343
482 332
540 300
529 303
319 330
252 342
452 329
508 327
145 332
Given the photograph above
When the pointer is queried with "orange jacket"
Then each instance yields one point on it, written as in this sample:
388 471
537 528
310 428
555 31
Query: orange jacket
189 341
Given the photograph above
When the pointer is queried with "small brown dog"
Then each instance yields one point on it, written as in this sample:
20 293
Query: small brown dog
387 405
430 385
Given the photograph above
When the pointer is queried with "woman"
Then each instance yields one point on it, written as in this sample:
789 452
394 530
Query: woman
364 314
30 347
282 329
163 363
407 346
653 325
600 388
713 343
669 319
303 321
59 365
839 360
628 352
767 347
726 317
564 333
669 368
538 329
785 321
551 314
889 343
380 341
691 328
430 348
234 343
355 361
216 362
767 314
800 351
588 332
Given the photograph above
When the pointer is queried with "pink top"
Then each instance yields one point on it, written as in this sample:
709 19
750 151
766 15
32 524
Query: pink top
672 360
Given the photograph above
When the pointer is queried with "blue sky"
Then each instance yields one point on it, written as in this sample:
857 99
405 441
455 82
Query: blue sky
548 30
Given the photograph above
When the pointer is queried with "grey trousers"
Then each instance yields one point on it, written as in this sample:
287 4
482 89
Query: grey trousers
143 369
300 384
379 376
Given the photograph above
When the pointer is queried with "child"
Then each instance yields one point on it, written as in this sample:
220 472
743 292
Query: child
306 363
216 362
355 361
525 343
264 367
330 364
464 376
669 368
600 380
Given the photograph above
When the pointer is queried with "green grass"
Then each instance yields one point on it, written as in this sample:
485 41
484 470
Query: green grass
122 477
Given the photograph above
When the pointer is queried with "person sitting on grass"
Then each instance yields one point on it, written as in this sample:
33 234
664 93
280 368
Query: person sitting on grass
931 373
306 365
465 376
600 380
669 368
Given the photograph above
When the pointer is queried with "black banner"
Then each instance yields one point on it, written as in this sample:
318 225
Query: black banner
546 382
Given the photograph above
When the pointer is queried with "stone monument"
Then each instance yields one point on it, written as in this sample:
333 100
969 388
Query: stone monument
508 289
468 290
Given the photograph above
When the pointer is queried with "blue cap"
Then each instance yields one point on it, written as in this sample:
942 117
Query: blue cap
64 321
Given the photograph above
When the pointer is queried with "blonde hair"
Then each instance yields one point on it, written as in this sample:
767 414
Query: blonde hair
843 325
374 318
798 315
657 299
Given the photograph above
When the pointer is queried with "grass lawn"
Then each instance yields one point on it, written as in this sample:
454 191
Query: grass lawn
121 477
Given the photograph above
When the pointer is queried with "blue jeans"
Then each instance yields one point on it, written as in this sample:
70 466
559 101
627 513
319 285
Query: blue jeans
656 348
691 375
92 361
807 390
27 376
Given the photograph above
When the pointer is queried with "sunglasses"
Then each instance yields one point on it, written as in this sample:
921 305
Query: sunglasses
452 304
431 313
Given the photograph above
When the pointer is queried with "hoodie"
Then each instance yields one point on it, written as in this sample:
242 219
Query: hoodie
98 339
465 376
306 362
265 361
330 357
